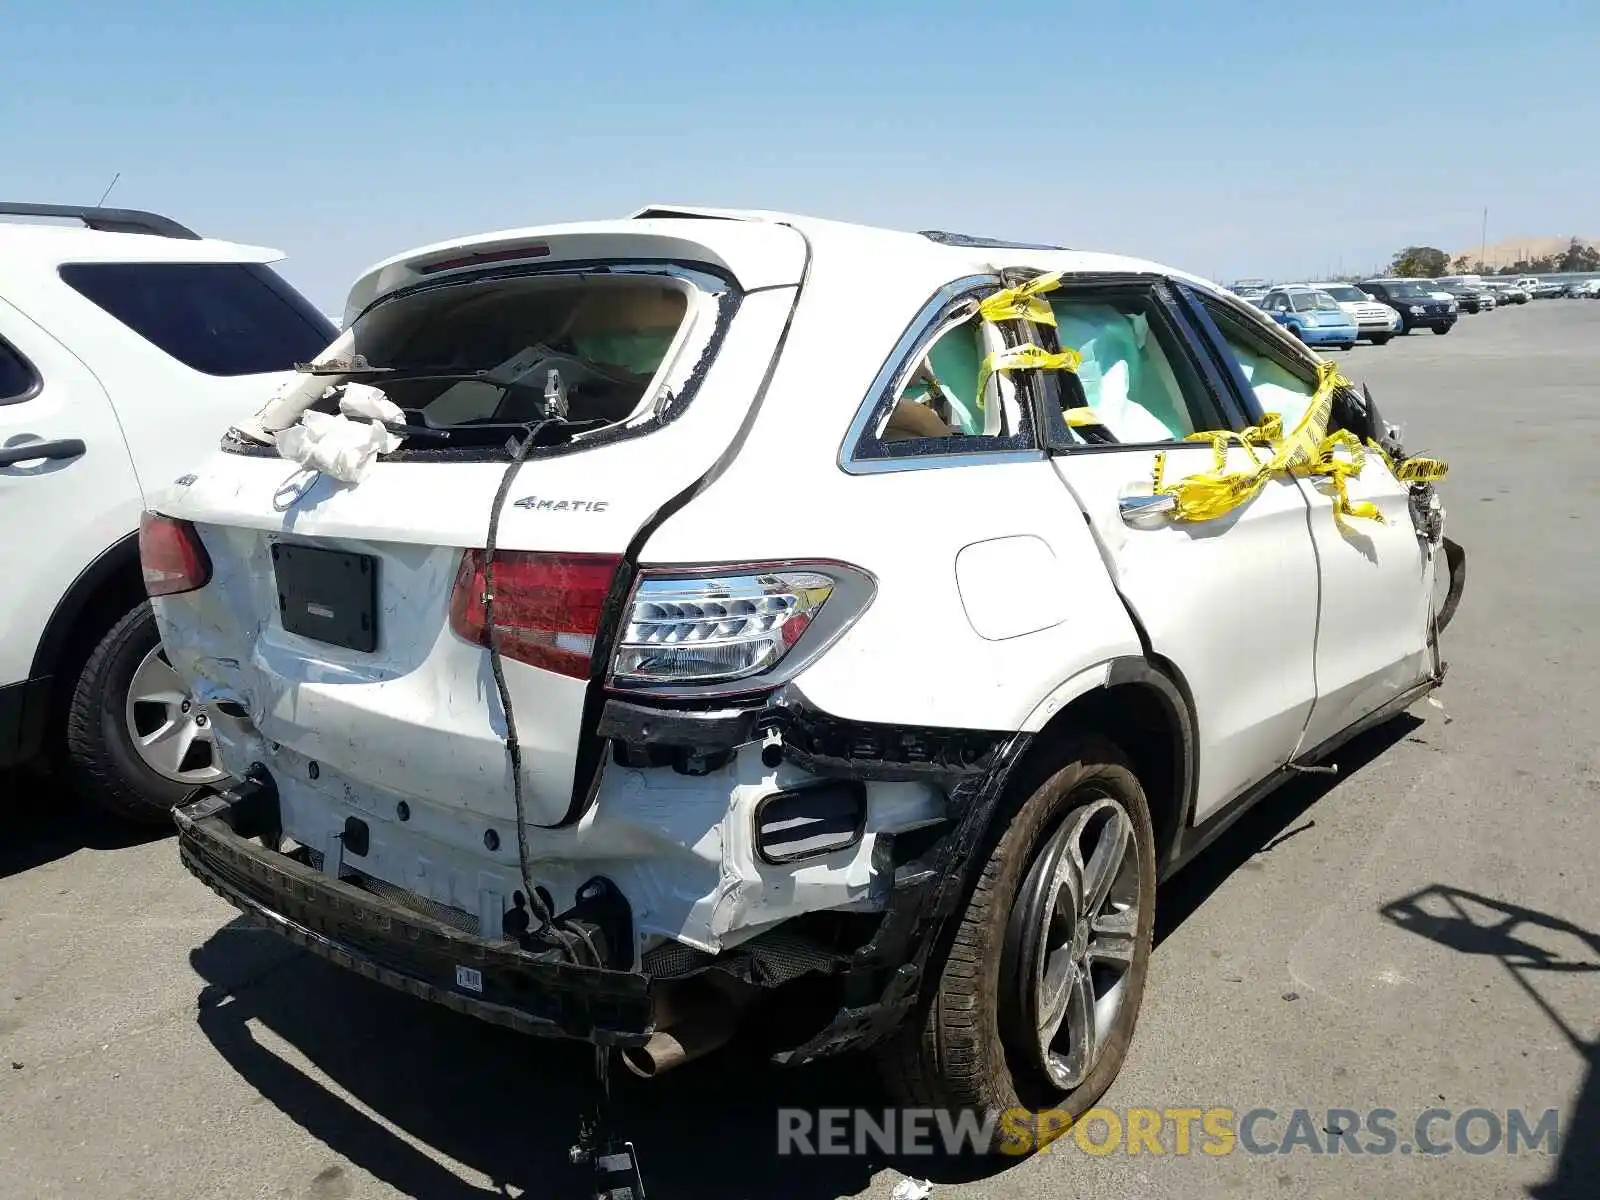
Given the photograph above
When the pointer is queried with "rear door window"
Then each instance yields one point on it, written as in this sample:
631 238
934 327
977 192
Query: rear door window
221 319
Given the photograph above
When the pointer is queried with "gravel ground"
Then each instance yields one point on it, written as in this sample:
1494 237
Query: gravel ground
1421 931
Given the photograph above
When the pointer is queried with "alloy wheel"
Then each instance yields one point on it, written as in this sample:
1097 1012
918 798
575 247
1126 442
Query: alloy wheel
1075 929
170 733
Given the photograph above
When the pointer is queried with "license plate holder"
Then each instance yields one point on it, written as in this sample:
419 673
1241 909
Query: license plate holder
327 595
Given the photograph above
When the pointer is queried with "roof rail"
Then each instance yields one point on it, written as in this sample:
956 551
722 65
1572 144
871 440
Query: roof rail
107 220
966 239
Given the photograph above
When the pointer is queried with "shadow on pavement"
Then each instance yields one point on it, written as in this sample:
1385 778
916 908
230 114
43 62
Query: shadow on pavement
507 1107
503 1105
45 820
1269 824
1469 923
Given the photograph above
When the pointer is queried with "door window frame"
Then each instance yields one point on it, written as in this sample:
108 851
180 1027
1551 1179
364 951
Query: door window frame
1267 340
1181 340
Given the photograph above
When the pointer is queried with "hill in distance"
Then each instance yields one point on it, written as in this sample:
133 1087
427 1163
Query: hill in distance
1510 251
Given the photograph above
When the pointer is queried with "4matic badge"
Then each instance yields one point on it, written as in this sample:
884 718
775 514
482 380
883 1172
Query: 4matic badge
543 504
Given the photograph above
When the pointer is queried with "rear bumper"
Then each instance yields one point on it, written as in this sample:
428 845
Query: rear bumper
406 950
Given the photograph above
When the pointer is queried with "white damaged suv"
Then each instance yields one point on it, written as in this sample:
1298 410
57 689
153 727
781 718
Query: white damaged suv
626 626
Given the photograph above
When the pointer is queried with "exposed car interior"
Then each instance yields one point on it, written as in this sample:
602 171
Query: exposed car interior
496 354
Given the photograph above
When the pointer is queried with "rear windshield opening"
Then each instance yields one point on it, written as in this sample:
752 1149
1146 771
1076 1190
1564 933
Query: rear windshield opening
492 354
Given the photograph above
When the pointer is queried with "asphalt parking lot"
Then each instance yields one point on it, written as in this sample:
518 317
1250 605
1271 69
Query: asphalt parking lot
1421 931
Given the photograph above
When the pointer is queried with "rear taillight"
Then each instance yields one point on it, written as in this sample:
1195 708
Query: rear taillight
735 629
546 606
171 556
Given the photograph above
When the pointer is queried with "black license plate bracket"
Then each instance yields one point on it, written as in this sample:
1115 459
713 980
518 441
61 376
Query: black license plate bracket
327 595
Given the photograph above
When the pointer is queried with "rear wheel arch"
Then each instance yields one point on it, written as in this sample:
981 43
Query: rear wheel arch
104 592
1144 709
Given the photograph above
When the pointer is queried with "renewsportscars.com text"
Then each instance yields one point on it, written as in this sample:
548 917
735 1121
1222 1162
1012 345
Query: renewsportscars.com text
1372 1132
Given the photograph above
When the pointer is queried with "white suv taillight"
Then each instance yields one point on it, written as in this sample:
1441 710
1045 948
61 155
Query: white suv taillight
171 556
546 606
733 629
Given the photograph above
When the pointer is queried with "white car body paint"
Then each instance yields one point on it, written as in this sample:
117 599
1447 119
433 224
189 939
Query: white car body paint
1012 586
1081 684
1005 586
1377 596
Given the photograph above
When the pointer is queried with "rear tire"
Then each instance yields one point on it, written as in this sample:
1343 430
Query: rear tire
1441 330
972 1049
1380 339
1347 345
102 761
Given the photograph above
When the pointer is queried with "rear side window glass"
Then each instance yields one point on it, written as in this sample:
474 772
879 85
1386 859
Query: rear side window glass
222 319
941 397
498 352
17 378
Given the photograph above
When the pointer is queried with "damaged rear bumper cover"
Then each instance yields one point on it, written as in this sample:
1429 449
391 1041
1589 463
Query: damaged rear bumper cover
927 871
407 950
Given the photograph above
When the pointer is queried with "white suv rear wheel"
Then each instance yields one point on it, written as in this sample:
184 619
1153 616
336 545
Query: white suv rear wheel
136 744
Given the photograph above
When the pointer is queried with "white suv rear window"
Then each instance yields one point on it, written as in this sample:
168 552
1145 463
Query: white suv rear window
222 319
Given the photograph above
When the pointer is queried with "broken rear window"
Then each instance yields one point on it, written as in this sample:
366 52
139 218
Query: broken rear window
511 351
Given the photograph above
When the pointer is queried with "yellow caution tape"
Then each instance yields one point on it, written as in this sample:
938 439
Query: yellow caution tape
1022 303
1309 451
1027 357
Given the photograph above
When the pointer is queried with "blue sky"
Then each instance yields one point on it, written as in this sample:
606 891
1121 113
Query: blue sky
1279 137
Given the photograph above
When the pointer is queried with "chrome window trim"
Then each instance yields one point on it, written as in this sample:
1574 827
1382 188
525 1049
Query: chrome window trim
925 325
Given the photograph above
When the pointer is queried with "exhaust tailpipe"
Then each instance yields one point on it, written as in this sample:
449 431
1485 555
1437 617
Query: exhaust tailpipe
685 1030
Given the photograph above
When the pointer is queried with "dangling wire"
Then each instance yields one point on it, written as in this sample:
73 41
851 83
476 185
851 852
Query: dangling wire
519 455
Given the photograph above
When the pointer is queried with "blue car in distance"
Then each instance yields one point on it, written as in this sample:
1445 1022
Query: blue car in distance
1312 316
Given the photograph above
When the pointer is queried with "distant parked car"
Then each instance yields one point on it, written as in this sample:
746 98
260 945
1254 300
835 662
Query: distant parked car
1413 300
1589 289
1375 321
1249 289
1311 315
1468 297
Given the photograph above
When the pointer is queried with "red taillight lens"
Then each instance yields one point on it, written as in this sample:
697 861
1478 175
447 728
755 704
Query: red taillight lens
171 556
546 606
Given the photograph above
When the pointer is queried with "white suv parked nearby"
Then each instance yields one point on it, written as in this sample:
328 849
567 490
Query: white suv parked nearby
125 347
742 606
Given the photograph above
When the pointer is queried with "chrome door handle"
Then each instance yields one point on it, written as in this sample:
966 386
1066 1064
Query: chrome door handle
1135 507
19 452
